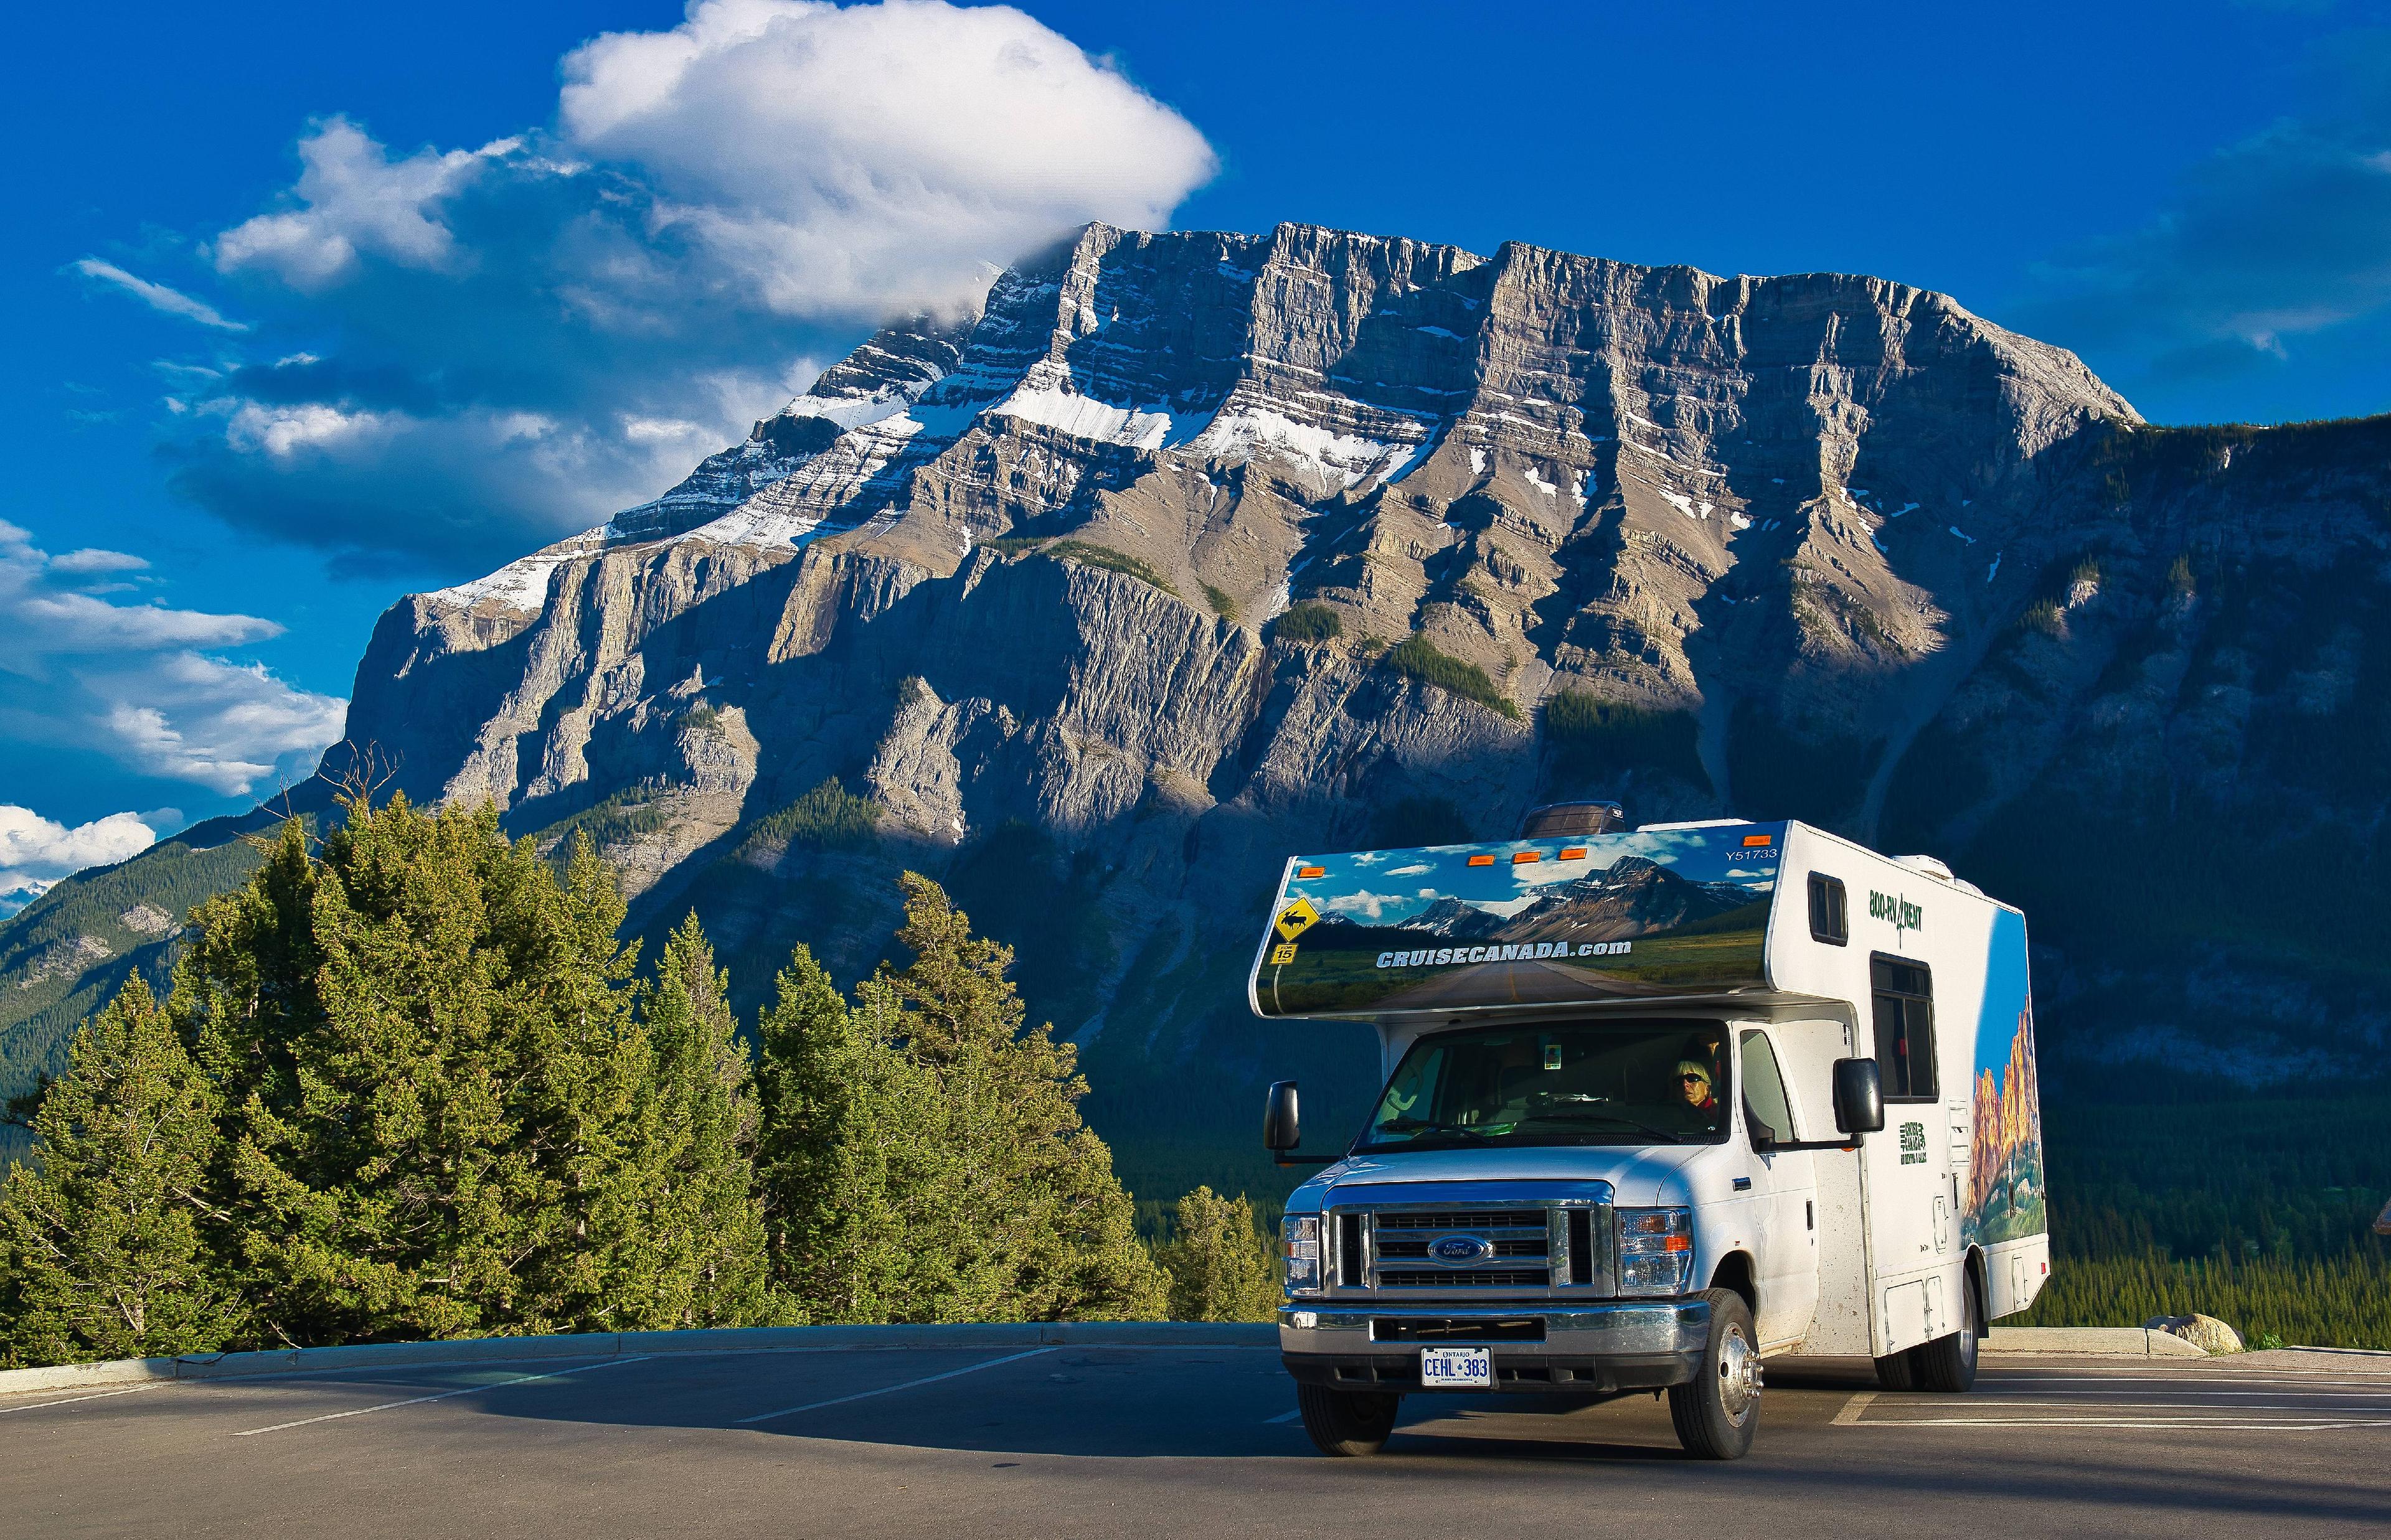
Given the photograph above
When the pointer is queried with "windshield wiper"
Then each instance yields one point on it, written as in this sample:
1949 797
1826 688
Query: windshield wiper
1424 1125
1588 1115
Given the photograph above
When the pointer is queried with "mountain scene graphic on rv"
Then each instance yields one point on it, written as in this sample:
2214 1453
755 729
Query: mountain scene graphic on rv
2004 1175
1626 914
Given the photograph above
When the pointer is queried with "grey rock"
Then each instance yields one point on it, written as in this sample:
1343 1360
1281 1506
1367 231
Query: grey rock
2205 1332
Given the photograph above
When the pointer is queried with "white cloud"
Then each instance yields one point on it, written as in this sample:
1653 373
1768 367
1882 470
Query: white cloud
80 624
227 726
36 851
156 296
92 560
1367 904
283 431
135 682
1412 870
468 353
856 159
352 197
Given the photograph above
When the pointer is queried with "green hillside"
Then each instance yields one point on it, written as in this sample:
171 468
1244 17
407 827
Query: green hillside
65 955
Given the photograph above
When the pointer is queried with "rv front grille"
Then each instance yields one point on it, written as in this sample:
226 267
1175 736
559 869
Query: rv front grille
1554 1247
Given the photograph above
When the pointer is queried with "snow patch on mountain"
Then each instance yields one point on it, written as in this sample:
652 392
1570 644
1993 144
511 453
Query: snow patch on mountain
1237 433
521 584
1045 396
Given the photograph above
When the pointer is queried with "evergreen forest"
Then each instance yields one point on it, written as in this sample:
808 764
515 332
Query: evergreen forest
408 1083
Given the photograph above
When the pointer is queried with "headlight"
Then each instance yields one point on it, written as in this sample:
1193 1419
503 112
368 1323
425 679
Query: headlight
1299 1243
1656 1251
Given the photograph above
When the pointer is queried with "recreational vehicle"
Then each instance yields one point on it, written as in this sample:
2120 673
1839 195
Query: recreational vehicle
1660 1107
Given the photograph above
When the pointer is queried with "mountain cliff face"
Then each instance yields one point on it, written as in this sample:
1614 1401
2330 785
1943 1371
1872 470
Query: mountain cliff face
1193 551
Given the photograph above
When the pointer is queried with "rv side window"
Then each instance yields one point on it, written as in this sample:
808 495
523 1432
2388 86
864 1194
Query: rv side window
1764 1088
1826 921
1903 994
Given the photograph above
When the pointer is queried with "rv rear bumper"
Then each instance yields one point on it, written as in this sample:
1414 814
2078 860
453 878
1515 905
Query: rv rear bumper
1569 1349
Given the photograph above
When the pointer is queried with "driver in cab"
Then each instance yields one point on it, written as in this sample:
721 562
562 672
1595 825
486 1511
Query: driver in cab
1699 1100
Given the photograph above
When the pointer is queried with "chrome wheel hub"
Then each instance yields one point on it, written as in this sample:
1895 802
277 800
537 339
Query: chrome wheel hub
1739 1372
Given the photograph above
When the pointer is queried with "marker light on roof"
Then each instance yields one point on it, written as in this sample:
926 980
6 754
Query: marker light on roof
1311 871
1572 853
1525 857
1752 841
1481 860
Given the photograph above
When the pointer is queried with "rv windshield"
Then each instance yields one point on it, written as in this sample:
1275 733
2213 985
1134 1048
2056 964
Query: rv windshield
1558 1083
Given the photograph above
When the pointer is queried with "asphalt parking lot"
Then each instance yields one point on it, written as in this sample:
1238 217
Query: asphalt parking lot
1162 1440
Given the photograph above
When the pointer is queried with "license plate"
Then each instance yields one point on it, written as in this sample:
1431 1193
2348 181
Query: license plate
1457 1368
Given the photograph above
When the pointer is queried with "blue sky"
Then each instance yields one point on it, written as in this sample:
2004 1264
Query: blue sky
312 307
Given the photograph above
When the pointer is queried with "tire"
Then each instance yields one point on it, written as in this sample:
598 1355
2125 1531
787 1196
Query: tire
1898 1371
1347 1423
1949 1364
1719 1412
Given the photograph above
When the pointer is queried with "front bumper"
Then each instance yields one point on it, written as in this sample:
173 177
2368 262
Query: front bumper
1536 1346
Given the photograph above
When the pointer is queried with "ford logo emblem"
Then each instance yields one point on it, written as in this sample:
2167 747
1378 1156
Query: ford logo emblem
1456 1250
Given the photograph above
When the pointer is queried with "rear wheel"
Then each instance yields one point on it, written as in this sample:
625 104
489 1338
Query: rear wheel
1949 1364
1347 1423
1898 1371
1719 1412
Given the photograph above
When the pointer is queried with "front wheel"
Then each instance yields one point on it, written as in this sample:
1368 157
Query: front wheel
1347 1423
1719 1412
1949 1364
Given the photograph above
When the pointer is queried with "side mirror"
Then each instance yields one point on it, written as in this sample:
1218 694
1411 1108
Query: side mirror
1280 1130
1859 1096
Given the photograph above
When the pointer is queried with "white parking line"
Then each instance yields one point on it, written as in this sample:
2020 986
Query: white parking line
2080 1411
463 1389
2176 1424
69 1401
2313 1392
2205 1376
2237 1409
891 1389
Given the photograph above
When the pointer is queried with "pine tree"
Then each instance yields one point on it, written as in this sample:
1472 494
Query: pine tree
104 1249
245 990
854 1160
922 1155
690 1231
438 1077
1218 1266
1050 1232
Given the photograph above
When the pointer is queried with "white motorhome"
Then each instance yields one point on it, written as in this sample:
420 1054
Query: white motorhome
1658 1106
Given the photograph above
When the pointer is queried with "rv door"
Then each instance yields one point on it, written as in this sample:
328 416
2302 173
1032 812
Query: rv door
1911 1218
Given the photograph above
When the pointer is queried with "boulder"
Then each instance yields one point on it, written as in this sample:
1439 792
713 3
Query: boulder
2206 1332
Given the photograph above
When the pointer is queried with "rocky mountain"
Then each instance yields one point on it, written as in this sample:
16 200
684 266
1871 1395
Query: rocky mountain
1634 897
1454 921
1192 550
